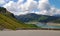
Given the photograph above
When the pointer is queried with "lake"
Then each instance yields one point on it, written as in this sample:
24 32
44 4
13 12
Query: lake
45 25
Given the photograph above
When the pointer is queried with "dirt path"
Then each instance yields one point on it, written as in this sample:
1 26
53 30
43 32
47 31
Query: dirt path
30 33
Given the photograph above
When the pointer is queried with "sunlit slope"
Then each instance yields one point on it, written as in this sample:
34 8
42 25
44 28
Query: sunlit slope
8 23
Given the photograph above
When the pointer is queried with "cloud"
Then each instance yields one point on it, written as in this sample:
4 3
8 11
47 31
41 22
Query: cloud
14 7
30 6
2 2
44 5
46 9
54 11
18 7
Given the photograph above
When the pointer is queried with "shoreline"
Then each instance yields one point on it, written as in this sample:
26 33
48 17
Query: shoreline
32 29
30 33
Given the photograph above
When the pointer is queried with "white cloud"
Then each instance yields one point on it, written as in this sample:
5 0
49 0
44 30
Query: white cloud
46 8
55 11
44 5
2 2
17 7
44 12
30 6
13 7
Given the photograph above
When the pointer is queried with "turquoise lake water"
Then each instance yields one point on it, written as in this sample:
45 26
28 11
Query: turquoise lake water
47 26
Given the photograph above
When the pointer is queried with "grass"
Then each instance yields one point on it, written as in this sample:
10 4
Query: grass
8 22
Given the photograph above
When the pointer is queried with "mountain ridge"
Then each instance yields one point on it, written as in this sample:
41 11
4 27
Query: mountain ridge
35 17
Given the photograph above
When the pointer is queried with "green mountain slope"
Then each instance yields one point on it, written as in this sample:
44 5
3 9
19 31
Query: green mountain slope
8 21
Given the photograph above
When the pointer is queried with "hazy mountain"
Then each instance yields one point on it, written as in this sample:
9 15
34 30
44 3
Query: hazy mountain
57 15
37 18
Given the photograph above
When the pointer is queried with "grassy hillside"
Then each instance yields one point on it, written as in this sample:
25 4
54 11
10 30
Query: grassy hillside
8 21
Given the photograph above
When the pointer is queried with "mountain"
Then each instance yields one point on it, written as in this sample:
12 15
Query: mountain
32 17
8 21
26 18
57 15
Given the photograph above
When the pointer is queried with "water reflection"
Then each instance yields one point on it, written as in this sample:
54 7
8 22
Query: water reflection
44 25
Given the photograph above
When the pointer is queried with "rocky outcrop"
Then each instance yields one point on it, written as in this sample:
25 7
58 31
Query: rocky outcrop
2 10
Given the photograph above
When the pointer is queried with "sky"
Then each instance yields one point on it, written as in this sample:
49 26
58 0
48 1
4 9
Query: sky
21 7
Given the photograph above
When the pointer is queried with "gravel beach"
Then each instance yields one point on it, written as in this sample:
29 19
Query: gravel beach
30 33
